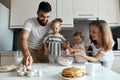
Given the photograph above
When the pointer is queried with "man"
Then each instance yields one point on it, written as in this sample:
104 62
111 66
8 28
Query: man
33 33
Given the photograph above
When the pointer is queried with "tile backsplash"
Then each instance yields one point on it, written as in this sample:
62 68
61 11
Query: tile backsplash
82 26
78 26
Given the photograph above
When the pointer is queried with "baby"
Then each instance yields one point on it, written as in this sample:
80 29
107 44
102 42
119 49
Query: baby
79 46
54 41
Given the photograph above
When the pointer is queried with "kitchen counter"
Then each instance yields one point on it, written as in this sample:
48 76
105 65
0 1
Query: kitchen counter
116 52
51 72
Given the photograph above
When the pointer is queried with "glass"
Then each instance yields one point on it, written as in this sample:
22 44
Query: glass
65 60
18 57
90 68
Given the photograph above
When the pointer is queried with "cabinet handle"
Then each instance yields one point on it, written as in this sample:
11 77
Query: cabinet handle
113 23
67 24
85 15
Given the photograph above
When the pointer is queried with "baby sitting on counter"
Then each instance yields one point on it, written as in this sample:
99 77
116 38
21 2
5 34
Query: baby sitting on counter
80 46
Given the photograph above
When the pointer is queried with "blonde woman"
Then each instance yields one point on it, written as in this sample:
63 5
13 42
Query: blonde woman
101 42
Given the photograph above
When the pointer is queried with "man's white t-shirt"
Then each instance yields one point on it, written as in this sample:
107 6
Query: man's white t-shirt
37 32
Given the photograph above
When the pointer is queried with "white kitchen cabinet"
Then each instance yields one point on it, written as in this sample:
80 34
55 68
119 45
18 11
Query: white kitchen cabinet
21 10
65 11
109 11
24 9
116 63
85 8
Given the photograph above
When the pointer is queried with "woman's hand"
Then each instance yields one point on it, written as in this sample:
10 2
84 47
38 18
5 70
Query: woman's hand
74 53
27 60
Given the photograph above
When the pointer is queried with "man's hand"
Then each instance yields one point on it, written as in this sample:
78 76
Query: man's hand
27 60
43 49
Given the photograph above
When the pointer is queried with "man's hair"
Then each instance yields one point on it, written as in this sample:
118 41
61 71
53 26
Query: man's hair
44 6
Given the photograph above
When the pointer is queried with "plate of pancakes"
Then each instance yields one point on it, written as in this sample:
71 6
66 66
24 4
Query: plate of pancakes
71 73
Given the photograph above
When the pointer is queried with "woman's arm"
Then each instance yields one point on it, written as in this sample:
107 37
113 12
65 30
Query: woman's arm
93 59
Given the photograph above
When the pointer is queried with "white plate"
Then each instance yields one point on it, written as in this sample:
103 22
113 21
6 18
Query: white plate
65 78
7 68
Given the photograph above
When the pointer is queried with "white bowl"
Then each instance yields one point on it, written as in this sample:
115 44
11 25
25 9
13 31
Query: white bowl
20 73
65 60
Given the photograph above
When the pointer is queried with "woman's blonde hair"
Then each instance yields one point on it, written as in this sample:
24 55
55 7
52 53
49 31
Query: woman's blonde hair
107 39
56 20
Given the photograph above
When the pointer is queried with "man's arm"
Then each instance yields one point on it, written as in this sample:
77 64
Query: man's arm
24 45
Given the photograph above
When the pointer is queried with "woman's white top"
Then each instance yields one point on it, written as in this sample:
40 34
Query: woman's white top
108 55
37 32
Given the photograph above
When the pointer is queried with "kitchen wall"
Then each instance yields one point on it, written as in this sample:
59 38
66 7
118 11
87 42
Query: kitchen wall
82 26
68 33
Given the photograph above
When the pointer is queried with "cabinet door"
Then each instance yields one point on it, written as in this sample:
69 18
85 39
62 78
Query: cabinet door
85 8
65 11
109 11
21 10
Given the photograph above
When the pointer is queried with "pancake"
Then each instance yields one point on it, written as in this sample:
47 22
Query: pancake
72 72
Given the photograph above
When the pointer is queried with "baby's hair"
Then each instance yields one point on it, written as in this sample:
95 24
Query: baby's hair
79 34
56 20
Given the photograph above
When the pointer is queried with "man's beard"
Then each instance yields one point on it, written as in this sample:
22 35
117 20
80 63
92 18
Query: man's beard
41 23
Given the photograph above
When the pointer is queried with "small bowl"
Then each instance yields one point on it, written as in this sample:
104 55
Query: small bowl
20 73
65 60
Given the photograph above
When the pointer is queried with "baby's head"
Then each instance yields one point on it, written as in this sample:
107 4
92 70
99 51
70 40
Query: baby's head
56 25
78 37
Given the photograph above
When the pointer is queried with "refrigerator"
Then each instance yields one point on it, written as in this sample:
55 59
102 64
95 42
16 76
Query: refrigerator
6 35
